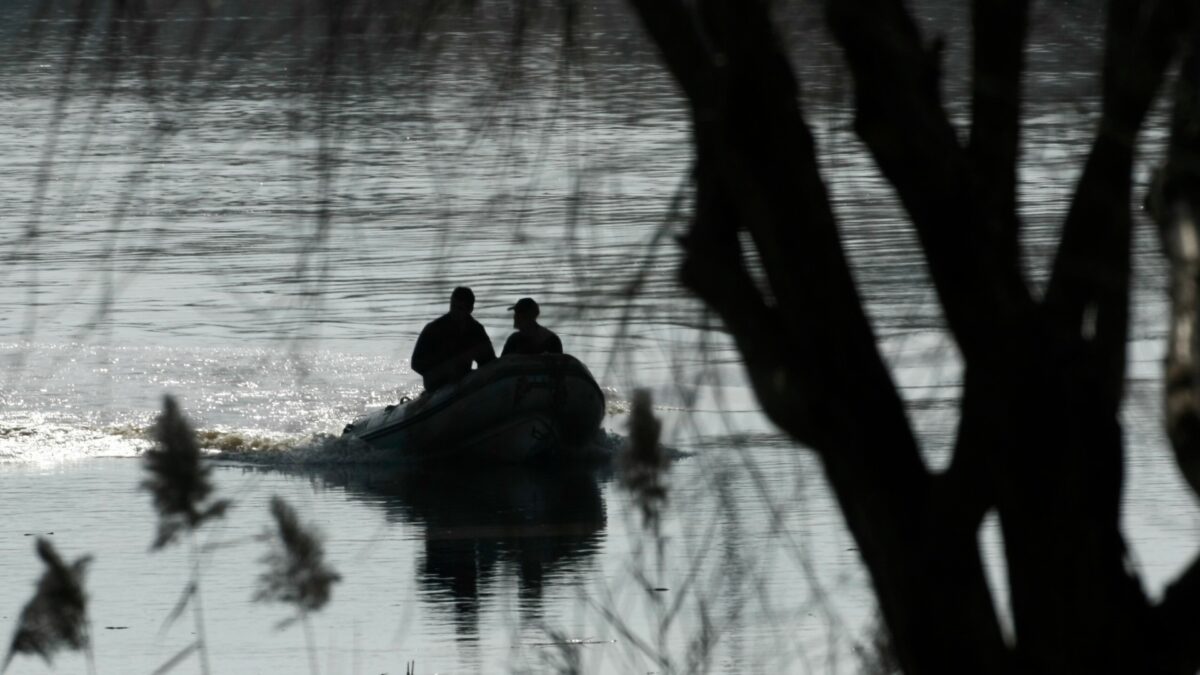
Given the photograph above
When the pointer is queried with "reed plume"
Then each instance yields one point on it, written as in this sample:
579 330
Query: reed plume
181 487
178 479
297 573
643 461
56 616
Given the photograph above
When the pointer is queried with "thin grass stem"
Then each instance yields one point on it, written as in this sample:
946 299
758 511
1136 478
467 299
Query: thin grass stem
198 605
308 643
89 653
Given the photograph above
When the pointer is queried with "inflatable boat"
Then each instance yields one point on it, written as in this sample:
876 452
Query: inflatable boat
514 409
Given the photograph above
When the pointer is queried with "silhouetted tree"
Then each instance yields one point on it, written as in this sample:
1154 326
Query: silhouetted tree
1039 440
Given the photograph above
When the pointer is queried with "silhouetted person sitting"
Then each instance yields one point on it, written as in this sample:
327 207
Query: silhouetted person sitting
447 345
531 337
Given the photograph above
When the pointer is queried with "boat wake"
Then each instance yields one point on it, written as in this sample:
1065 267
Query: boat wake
37 440
34 440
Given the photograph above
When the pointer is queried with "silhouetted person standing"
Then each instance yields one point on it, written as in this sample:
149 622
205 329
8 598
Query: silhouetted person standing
447 345
531 337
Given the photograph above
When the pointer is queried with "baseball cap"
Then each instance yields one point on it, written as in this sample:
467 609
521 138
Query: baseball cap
525 305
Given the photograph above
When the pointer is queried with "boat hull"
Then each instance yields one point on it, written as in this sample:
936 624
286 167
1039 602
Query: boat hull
514 409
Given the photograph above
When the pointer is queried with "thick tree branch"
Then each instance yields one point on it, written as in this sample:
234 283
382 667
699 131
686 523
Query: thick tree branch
900 117
714 268
999 29
1088 293
963 203
757 143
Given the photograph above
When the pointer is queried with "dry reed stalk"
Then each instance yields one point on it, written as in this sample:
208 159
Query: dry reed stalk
56 616
180 484
297 573
178 479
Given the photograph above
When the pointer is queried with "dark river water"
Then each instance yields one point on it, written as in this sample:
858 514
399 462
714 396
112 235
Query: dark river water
267 249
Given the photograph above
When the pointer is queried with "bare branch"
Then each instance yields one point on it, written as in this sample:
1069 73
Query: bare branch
757 171
900 118
715 269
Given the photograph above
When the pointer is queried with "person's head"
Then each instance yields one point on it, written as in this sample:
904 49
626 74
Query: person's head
525 313
462 301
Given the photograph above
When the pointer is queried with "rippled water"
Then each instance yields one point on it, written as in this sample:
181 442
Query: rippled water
191 247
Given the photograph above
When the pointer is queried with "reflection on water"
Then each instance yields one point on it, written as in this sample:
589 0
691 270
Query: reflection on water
481 525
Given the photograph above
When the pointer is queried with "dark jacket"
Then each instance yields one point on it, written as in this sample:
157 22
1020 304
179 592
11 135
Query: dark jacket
539 341
446 348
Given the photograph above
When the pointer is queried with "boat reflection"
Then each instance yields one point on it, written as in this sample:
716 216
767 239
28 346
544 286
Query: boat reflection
479 526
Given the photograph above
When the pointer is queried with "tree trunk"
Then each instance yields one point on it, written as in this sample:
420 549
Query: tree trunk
1040 441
